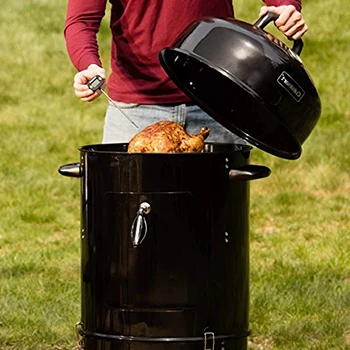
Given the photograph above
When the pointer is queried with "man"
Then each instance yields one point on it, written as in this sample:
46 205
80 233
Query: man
138 84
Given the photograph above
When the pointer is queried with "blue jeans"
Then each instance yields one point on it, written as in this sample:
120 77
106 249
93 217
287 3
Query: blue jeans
118 129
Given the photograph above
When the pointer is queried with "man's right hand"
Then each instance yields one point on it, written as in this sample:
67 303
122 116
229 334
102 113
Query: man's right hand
290 21
81 79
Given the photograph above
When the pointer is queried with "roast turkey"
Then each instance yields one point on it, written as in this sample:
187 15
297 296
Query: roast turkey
167 137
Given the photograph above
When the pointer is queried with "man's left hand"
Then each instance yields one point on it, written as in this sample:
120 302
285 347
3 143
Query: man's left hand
290 21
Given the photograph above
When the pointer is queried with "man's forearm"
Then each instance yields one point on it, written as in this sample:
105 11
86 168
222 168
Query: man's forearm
81 27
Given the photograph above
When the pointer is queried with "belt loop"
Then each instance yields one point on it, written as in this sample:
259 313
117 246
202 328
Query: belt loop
183 115
176 110
207 336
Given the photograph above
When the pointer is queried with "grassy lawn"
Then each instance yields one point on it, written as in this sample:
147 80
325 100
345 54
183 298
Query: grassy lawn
300 239
300 260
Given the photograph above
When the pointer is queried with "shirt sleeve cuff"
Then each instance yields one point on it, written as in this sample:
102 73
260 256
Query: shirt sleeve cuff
86 60
295 3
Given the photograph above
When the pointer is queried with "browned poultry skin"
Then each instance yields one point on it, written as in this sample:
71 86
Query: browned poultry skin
167 137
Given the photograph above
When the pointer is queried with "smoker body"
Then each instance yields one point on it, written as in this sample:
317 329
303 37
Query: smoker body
180 280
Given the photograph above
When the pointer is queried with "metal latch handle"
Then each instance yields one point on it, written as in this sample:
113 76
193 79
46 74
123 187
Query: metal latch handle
139 225
209 341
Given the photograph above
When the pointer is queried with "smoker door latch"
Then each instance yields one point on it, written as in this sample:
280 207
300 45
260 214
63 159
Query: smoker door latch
139 225
209 341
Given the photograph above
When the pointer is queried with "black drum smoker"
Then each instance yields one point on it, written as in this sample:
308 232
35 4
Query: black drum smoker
165 247
165 237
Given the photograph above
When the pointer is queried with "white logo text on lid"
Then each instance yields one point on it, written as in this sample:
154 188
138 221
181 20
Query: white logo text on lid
291 86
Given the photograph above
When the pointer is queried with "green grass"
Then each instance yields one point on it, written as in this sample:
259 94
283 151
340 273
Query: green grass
300 260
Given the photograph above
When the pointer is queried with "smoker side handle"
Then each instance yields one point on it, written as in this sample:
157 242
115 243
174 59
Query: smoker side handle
71 170
249 172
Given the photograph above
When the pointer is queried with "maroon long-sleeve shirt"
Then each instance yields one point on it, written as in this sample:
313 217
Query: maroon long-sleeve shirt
140 29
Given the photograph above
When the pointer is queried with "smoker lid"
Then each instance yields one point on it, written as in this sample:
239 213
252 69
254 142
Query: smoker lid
207 85
248 81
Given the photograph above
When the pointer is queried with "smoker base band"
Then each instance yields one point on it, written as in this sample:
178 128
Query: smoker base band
161 340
